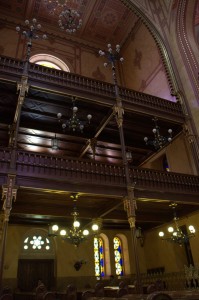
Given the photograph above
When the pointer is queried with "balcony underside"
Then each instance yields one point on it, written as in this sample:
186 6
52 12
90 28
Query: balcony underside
45 184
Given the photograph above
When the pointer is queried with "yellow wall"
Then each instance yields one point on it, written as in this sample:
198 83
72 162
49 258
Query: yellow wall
66 255
155 253
178 157
159 253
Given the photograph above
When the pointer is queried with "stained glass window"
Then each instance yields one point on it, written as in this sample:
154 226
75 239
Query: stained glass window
118 256
99 257
36 243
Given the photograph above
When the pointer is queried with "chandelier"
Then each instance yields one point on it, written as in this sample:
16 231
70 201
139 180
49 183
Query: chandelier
159 140
74 123
176 235
75 235
31 34
69 20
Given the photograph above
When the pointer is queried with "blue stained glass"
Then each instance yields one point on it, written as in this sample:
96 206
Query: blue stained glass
118 256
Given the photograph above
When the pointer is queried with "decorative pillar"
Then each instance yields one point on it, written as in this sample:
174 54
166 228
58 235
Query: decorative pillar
10 190
129 201
8 196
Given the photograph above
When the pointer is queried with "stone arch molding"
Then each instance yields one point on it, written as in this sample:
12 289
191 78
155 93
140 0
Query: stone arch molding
52 59
151 26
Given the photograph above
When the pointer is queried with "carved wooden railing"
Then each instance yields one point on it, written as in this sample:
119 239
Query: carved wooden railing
30 164
94 88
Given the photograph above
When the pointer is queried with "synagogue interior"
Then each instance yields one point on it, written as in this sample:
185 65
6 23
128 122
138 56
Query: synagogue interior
99 149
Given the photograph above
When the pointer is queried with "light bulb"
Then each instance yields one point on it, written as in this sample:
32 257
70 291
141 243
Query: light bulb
76 224
192 229
170 229
85 232
89 117
161 233
95 227
63 232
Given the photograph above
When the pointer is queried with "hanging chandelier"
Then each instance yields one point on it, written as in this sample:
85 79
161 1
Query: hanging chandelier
75 234
74 123
159 140
176 235
70 20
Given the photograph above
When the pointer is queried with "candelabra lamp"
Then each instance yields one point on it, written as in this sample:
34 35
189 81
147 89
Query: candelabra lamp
159 140
74 123
176 235
31 33
111 55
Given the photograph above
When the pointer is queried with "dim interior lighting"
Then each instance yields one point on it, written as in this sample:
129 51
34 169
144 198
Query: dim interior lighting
176 233
75 234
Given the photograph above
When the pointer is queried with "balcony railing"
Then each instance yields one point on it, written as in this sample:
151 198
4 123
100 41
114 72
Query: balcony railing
95 89
30 164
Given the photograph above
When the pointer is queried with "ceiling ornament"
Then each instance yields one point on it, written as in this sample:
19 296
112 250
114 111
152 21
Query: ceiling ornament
55 6
159 140
176 235
75 234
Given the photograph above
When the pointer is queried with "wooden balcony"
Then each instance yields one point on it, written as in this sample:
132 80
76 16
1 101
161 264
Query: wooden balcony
48 171
94 90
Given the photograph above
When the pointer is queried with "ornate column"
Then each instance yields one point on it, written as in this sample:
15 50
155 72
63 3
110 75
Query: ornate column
129 200
10 190
9 195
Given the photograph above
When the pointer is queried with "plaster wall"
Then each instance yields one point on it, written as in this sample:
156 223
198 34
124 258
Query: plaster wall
143 68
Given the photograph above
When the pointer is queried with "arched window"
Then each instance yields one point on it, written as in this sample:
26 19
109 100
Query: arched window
118 256
49 61
99 257
36 242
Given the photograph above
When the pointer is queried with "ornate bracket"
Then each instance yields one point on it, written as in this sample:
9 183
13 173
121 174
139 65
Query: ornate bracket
9 195
119 111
